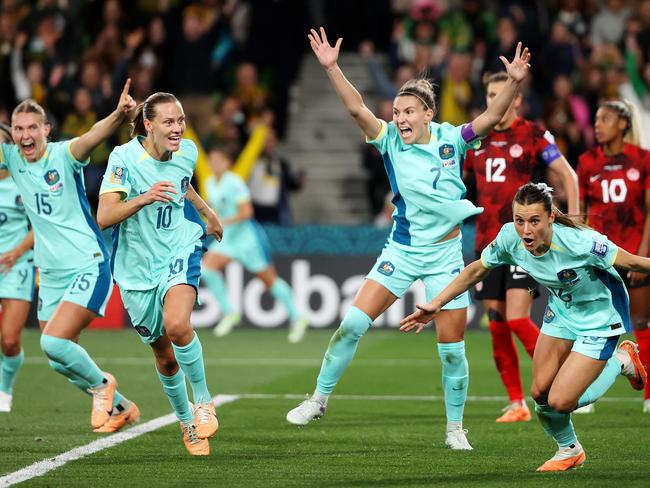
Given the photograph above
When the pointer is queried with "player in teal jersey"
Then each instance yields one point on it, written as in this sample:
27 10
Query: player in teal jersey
157 247
75 281
245 241
424 162
574 363
16 278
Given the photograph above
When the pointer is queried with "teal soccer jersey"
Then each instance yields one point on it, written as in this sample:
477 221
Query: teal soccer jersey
54 197
585 293
14 224
144 243
426 180
224 196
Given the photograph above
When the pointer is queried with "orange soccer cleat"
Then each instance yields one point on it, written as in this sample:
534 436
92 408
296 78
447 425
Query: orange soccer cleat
565 458
102 401
193 443
205 417
515 413
116 422
633 369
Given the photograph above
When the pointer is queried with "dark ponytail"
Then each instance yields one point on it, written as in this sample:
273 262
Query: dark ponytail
147 110
532 193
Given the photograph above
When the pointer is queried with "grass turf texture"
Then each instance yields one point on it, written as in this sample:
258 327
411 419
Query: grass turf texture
360 442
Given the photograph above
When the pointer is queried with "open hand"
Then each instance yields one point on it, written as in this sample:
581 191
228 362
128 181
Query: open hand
420 318
326 54
162 191
520 66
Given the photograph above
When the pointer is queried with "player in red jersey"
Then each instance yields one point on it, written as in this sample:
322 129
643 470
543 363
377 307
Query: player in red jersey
615 195
514 153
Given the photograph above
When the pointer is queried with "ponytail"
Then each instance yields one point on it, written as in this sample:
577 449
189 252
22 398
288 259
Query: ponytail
147 110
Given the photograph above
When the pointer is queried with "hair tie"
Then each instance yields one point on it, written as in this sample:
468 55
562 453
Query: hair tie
544 187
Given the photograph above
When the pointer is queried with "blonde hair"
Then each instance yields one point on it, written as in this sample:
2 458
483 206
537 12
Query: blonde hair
422 89
30 106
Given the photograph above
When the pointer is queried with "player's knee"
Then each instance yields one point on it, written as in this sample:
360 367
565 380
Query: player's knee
167 364
177 327
10 345
354 324
561 404
539 395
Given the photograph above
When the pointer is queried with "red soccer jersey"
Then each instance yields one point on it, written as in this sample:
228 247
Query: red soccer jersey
506 160
613 188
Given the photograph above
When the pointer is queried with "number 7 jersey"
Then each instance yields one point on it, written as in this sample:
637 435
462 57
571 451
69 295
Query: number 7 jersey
53 194
144 243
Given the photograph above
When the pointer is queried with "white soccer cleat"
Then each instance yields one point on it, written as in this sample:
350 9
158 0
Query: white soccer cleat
297 330
5 402
591 408
456 439
227 324
305 412
646 405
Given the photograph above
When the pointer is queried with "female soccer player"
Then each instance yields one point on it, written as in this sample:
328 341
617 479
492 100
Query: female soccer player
16 278
424 162
574 362
615 196
514 153
157 247
244 241
75 279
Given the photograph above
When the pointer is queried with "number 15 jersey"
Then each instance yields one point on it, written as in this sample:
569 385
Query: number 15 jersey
144 243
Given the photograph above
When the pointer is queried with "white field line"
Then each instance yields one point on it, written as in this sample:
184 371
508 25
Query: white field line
40 468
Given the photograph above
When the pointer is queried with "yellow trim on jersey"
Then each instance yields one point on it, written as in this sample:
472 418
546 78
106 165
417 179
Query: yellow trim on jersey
382 132
484 263
614 254
118 189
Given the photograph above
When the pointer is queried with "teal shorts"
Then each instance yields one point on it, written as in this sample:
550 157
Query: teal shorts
437 265
250 247
145 307
18 283
90 287
593 346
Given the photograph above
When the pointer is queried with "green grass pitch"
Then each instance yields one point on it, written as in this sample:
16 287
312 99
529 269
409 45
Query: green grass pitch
386 429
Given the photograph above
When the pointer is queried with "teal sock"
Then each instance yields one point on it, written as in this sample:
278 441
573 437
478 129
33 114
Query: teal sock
190 358
73 357
557 425
283 293
176 391
601 384
217 286
455 378
8 371
341 349
77 381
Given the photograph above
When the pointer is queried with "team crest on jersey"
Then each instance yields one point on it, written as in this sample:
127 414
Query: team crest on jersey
52 177
568 276
446 151
633 174
599 248
118 175
516 150
549 315
185 184
386 268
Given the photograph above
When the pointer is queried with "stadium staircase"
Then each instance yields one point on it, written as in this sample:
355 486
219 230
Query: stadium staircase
323 140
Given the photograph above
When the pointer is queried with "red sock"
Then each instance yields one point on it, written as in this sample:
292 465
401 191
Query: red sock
507 360
643 341
527 332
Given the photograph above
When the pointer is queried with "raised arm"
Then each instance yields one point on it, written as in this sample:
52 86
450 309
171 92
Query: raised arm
632 262
82 146
327 56
517 71
467 278
563 169
112 209
213 224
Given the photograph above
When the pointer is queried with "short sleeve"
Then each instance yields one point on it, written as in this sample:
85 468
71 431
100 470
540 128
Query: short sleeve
547 150
69 158
381 141
116 178
598 250
496 253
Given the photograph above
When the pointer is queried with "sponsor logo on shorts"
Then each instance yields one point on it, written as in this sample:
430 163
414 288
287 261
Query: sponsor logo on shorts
592 341
142 330
386 268
599 248
568 276
446 151
549 315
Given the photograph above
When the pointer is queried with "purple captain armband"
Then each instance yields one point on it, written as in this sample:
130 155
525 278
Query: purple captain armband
467 131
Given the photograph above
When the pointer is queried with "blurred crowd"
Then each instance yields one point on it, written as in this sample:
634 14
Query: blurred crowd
232 62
